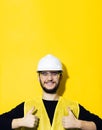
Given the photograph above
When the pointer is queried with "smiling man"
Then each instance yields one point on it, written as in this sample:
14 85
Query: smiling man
49 80
50 111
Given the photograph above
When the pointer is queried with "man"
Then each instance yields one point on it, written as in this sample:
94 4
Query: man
51 111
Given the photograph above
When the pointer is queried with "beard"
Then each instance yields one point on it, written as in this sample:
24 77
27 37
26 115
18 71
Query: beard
50 91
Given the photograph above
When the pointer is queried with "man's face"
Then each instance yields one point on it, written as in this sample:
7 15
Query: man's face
50 80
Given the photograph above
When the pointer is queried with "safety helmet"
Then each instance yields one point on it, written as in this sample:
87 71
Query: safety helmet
49 62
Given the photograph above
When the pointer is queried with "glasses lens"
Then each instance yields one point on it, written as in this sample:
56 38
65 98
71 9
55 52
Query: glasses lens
52 73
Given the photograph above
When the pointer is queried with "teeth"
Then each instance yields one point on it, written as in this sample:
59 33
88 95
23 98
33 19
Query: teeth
49 83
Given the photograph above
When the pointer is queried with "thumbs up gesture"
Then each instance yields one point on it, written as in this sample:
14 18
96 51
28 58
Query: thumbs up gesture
30 120
70 121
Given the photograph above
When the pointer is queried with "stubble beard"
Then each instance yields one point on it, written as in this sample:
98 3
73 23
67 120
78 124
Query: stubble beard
50 91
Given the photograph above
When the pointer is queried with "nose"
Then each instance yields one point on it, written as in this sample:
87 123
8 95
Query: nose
49 76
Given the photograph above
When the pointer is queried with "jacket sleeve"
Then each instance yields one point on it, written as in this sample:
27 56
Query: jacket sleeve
88 116
6 118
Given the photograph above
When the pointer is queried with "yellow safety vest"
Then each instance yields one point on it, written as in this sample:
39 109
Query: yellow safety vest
60 111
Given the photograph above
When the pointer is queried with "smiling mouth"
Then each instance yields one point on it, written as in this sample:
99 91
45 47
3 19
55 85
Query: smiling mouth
49 83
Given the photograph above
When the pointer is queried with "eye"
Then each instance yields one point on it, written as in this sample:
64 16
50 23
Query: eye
44 73
51 73
54 73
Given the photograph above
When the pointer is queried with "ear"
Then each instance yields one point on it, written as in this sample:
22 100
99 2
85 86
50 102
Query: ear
61 76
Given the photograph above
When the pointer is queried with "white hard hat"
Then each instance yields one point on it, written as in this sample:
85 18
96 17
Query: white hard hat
49 62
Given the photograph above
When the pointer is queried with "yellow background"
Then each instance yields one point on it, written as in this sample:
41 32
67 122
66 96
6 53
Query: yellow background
70 30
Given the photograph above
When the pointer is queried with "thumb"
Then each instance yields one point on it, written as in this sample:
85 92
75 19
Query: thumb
70 111
31 110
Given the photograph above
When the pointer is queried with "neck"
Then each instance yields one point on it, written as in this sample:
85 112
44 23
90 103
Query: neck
47 96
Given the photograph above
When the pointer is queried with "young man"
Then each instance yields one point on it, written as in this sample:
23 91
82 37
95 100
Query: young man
51 111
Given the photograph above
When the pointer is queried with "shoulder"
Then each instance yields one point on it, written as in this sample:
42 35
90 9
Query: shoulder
36 103
86 114
69 102
16 112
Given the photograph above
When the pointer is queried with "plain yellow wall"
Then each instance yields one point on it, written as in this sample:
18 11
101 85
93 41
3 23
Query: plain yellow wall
71 30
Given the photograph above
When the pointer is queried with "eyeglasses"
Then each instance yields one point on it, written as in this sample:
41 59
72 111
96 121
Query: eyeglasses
51 73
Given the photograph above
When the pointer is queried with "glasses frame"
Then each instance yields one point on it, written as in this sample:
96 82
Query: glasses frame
51 73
